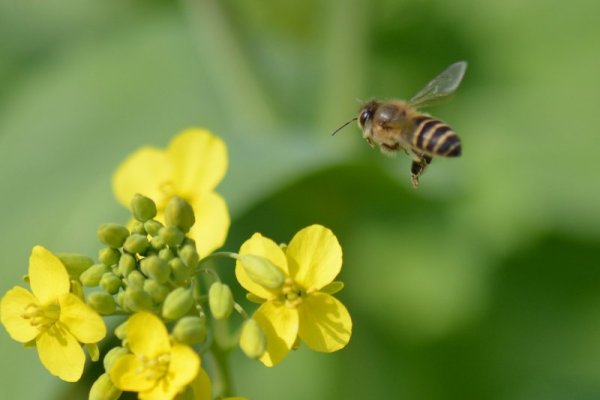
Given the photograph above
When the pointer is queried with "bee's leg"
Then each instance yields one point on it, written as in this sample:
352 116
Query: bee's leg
370 142
417 168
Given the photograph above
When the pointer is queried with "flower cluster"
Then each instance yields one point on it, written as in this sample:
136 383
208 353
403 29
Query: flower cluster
159 272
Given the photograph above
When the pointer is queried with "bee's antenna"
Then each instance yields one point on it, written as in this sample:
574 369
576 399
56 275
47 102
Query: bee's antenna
343 126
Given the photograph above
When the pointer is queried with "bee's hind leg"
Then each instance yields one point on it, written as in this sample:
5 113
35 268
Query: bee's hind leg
420 162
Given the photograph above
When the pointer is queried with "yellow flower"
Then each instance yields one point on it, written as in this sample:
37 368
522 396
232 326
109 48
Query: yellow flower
191 167
57 320
299 308
157 369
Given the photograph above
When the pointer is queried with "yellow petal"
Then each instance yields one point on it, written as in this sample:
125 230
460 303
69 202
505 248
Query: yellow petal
201 386
258 245
14 303
280 324
212 222
125 374
147 335
314 257
61 353
81 320
183 367
325 324
147 171
48 276
199 162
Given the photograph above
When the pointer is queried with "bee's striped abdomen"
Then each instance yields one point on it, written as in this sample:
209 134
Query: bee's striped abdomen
435 137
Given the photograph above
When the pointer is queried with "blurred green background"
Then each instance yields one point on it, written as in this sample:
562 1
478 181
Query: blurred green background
482 284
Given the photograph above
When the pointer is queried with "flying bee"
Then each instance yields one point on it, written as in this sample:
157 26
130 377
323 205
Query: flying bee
396 125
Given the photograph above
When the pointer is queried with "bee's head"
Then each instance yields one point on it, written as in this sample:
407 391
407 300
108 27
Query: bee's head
366 113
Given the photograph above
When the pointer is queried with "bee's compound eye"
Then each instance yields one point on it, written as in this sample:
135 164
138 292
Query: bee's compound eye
364 116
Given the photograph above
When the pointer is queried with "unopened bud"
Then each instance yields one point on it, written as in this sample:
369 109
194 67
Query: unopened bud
252 339
113 355
121 330
152 226
179 270
157 291
179 213
112 235
143 208
136 243
220 300
110 282
177 303
190 330
102 302
109 256
137 300
126 264
135 279
155 268
166 254
262 271
91 277
171 235
75 263
137 228
104 389
189 256
158 243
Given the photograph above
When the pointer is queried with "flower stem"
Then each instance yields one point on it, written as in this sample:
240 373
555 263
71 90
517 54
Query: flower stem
219 349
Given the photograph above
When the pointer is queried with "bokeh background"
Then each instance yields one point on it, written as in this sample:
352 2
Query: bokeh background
482 284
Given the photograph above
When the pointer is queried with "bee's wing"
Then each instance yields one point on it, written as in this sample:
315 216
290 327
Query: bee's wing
441 87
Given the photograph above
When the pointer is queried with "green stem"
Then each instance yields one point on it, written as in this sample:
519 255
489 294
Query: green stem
211 257
219 349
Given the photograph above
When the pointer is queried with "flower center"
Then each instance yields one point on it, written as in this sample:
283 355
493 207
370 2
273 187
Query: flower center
42 317
291 293
154 369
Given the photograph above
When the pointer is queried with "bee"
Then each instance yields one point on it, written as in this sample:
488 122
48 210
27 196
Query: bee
396 125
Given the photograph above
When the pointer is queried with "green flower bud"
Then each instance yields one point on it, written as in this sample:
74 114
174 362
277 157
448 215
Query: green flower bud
112 235
104 389
110 282
137 300
262 271
189 256
121 331
137 228
91 277
155 268
157 291
177 303
102 302
253 341
109 256
135 279
190 330
179 271
126 264
158 242
152 226
142 208
166 254
220 300
136 243
171 235
120 300
113 355
179 213
75 263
